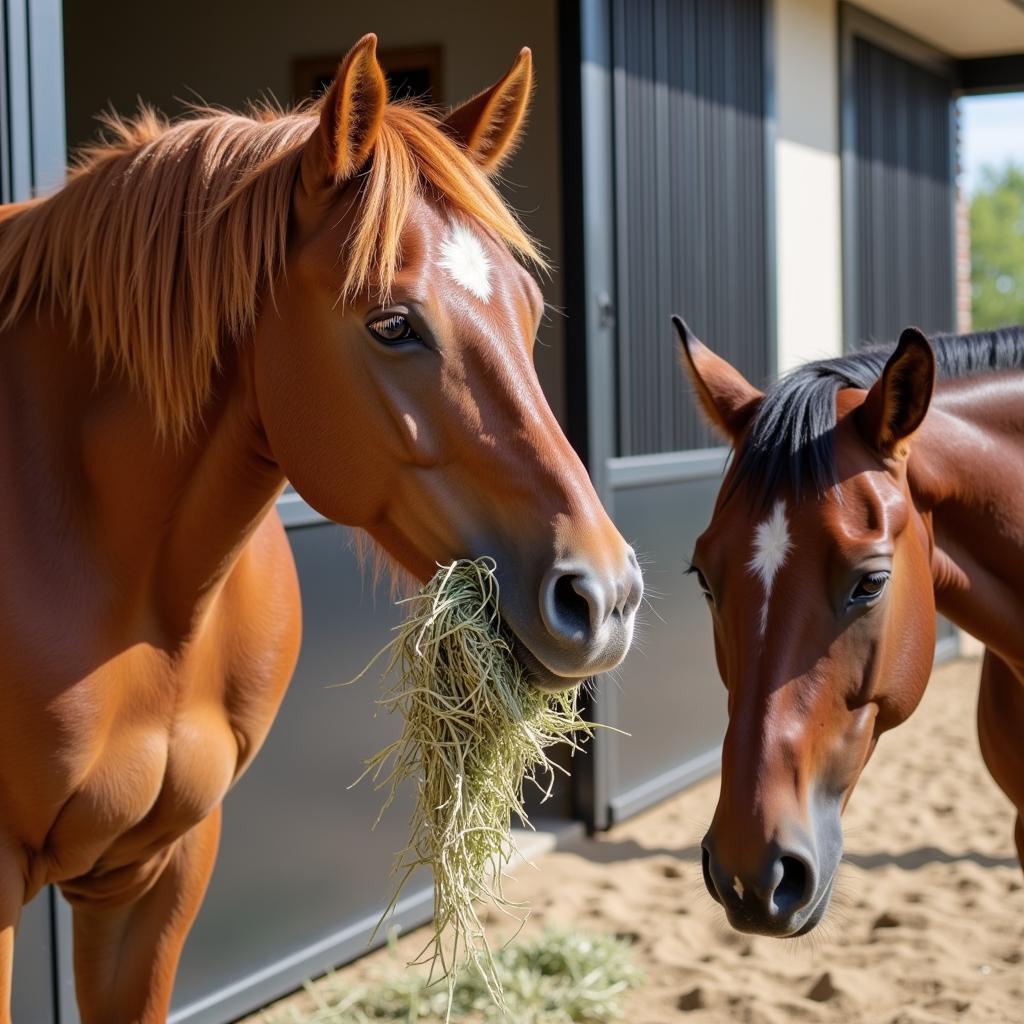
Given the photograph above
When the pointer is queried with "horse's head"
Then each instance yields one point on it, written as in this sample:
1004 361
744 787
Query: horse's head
394 368
824 616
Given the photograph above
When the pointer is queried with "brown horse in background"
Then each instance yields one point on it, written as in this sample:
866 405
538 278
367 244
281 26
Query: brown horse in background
205 309
865 492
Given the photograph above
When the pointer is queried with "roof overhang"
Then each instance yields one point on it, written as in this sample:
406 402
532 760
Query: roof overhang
959 28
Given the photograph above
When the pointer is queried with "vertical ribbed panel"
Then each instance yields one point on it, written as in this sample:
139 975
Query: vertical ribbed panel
690 201
904 190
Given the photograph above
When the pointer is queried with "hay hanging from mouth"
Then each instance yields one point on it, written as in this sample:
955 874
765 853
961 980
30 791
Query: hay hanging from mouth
475 731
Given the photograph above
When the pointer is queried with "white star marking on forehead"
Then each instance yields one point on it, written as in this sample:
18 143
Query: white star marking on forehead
771 545
463 256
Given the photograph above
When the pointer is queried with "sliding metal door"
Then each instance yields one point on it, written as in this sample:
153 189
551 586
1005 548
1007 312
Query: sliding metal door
674 214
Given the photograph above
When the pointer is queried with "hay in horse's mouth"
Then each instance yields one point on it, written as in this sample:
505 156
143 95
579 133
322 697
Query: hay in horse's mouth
476 728
536 672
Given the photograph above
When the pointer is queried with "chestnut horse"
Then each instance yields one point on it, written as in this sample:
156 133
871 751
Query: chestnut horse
204 309
865 492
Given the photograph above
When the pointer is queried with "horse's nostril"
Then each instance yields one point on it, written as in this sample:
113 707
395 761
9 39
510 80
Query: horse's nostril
792 888
708 880
572 608
587 614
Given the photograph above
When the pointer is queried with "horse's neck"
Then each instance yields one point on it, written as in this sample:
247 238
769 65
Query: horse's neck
163 520
967 474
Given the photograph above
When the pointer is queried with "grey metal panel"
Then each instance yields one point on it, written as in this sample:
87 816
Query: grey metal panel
667 696
33 964
691 209
32 145
294 511
598 188
19 98
898 182
302 875
46 87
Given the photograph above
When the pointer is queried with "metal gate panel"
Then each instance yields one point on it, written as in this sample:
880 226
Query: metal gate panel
302 874
668 698
34 964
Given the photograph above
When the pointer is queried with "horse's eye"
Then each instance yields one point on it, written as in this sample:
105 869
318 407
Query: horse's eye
702 583
393 329
869 587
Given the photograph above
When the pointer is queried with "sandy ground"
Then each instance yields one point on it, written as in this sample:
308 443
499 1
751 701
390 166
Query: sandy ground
927 924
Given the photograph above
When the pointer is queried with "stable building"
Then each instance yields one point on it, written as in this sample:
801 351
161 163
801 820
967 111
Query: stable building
779 172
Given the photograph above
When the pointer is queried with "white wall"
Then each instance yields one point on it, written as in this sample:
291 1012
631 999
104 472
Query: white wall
228 51
807 175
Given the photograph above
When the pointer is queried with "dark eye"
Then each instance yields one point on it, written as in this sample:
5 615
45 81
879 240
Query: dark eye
702 583
393 329
869 587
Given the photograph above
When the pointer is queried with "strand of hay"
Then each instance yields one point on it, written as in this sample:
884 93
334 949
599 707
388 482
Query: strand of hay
475 731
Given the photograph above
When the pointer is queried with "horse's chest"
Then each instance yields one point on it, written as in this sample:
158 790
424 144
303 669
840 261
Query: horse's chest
147 768
110 750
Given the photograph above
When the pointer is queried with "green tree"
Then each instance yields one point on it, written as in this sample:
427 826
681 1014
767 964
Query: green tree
997 247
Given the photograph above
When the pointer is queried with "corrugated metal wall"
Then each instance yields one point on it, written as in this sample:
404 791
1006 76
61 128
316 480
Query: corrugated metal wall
905 189
675 97
689 122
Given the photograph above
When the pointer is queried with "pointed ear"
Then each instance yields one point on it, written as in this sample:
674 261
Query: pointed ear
350 117
728 399
899 399
489 125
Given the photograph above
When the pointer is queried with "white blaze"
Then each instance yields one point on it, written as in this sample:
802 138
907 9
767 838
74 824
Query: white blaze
771 545
463 256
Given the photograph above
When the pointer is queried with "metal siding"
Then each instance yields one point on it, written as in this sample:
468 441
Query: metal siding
667 697
689 110
904 187
899 190
33 996
302 873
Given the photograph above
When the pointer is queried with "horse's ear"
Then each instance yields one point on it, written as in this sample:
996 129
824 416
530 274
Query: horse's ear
899 399
350 117
489 125
726 396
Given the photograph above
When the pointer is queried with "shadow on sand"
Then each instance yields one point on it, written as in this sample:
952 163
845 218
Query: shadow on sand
598 852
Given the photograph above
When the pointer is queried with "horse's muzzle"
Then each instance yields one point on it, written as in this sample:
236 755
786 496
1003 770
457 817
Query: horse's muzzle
786 891
587 616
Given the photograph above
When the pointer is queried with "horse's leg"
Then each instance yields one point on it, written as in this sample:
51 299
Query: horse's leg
126 956
12 894
1001 731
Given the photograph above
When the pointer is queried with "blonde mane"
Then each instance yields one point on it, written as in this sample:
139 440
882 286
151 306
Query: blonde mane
158 247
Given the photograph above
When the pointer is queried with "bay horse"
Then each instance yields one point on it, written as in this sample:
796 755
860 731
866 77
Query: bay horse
865 492
207 307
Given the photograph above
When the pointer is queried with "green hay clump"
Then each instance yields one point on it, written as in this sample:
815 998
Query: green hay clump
560 977
475 731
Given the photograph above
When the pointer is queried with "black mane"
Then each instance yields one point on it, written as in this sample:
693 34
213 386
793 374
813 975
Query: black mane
790 439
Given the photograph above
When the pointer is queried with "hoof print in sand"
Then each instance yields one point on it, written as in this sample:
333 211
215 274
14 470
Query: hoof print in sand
695 999
886 920
823 989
